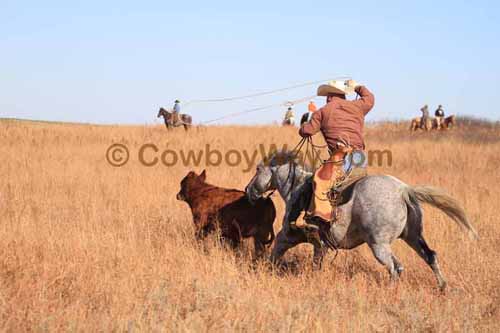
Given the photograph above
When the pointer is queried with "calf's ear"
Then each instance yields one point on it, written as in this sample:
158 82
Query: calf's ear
203 175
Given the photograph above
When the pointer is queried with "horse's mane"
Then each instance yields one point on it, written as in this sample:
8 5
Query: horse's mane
285 156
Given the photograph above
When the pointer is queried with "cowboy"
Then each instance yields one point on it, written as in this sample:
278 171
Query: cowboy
176 110
289 117
425 116
439 114
341 122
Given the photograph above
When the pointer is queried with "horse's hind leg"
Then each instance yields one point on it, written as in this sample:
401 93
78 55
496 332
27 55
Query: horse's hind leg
384 255
397 265
420 246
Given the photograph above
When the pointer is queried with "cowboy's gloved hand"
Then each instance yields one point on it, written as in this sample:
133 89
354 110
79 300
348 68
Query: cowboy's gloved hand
358 88
302 133
352 84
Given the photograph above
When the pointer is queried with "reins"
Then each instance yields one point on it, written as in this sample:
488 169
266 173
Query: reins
316 153
295 151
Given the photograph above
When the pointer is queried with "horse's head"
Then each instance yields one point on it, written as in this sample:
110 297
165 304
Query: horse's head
278 171
260 183
162 112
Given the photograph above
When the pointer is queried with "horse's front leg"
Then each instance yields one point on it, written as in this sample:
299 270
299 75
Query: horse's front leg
285 240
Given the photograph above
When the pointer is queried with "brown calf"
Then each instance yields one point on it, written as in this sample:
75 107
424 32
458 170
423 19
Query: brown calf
229 211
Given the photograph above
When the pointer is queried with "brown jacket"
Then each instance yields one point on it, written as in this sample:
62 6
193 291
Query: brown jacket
341 120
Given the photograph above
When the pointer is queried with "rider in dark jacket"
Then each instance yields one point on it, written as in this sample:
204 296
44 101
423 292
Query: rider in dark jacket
439 114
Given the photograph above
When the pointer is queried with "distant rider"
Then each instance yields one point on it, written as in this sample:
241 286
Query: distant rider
176 111
312 107
425 116
289 117
439 114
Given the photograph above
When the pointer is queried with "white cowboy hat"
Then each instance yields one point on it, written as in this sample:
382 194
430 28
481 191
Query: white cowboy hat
335 87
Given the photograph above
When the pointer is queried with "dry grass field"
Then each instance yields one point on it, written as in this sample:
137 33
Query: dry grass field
85 246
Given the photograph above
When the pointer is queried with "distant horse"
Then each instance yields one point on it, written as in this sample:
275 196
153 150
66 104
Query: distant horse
449 121
416 123
446 123
182 119
288 122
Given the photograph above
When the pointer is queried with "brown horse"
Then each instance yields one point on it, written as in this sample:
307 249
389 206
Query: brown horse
172 120
449 121
416 123
446 123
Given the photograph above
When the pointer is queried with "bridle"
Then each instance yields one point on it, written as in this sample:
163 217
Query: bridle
292 172
269 183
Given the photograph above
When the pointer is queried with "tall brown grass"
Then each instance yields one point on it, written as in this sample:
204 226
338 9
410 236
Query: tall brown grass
85 246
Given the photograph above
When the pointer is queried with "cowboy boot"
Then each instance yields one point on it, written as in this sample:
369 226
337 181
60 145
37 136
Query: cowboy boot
303 223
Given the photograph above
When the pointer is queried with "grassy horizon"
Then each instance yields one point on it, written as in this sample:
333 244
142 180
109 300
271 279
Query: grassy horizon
90 247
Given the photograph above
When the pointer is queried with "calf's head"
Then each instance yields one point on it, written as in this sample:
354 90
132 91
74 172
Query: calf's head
189 183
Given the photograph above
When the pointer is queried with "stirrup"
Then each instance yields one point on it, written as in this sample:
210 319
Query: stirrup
304 225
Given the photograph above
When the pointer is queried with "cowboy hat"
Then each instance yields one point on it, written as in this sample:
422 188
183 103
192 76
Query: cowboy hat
335 87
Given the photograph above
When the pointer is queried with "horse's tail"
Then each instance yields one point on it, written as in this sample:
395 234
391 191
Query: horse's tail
414 124
186 119
440 200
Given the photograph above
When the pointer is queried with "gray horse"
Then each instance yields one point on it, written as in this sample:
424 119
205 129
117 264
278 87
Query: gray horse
380 210
183 119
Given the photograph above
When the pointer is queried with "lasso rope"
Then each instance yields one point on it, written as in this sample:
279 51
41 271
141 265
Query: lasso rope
235 114
264 93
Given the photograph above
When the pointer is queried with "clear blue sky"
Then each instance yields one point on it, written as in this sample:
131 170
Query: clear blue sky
118 61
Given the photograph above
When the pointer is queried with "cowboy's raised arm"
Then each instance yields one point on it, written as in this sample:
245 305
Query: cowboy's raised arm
367 99
313 126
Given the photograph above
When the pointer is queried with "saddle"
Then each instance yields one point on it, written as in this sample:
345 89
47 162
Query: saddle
175 118
353 171
341 192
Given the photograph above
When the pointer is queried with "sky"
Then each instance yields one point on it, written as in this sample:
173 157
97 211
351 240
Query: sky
117 62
